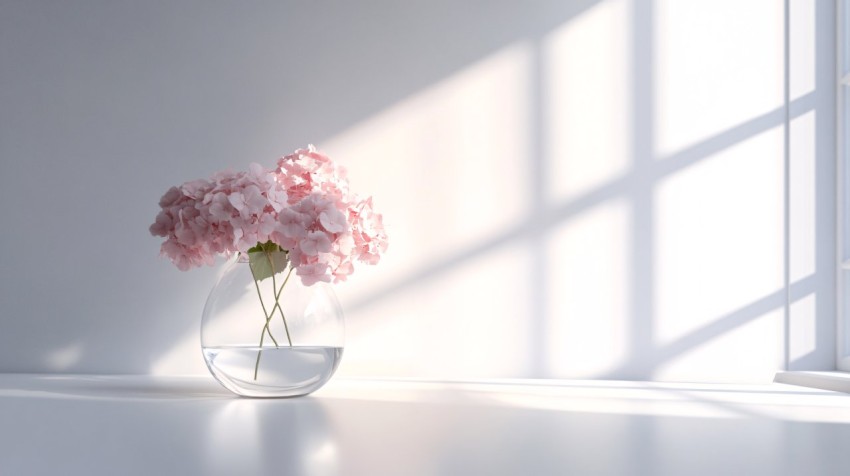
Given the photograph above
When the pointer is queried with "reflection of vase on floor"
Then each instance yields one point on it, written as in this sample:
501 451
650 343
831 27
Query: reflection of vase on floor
245 438
301 329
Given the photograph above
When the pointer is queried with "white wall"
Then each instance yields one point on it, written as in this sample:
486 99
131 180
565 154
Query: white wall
583 189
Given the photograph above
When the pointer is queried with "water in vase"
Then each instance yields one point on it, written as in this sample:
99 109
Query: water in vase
279 371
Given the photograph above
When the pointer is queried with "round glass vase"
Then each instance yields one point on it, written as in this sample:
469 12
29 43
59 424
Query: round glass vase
265 334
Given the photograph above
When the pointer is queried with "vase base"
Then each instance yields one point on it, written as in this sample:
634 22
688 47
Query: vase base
272 371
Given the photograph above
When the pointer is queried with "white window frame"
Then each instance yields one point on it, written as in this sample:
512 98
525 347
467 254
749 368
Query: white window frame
842 121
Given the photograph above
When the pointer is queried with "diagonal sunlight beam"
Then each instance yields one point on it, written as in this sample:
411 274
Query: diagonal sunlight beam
541 222
733 135
720 326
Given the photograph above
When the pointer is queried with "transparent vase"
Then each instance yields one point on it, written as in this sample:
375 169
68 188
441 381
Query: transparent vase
265 334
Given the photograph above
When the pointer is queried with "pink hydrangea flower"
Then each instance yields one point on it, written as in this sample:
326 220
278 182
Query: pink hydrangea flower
304 206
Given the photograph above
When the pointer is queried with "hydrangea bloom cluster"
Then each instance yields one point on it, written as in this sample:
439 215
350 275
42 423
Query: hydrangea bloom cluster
304 206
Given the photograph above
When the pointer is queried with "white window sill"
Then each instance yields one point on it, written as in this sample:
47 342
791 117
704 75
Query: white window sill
833 380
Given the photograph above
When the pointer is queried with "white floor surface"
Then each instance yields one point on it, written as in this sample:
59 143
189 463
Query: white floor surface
115 425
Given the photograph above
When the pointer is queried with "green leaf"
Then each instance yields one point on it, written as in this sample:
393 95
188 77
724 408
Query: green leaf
267 246
267 259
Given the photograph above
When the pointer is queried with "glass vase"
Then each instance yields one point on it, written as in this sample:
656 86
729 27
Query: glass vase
265 334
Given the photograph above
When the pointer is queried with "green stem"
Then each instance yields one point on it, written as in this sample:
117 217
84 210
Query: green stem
267 315
277 304
277 293
268 320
